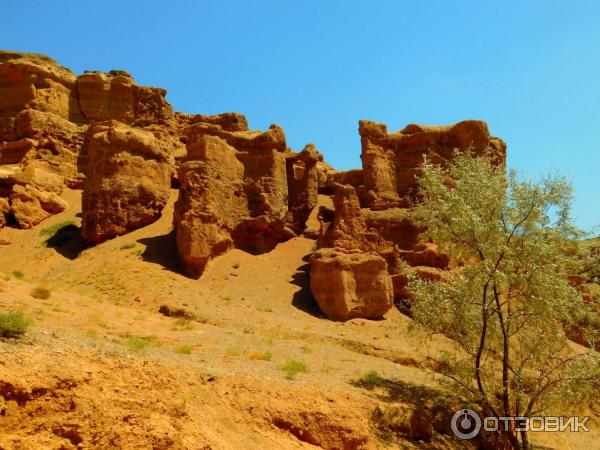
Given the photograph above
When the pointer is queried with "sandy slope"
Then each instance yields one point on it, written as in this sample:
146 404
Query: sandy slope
79 379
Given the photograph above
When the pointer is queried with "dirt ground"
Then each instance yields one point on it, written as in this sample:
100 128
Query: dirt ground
128 353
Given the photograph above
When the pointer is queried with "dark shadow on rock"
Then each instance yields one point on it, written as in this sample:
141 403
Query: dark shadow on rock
303 298
67 241
161 250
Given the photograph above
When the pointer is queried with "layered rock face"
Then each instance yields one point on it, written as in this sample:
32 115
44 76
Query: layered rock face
303 186
128 183
238 188
350 284
115 95
233 192
391 160
349 275
45 110
372 217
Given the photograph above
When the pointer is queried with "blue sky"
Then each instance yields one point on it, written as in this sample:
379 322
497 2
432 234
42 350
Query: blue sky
530 69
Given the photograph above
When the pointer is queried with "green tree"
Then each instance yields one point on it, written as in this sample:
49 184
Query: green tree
508 302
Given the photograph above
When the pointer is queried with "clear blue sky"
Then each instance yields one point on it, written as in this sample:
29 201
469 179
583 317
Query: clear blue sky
530 69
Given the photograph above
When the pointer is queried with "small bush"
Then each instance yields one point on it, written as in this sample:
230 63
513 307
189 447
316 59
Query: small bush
306 349
41 293
236 265
139 344
13 325
226 298
258 356
293 368
53 229
372 379
18 274
184 349
180 324
128 246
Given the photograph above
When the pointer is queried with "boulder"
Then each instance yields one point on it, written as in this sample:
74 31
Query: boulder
233 193
31 205
391 160
350 284
128 183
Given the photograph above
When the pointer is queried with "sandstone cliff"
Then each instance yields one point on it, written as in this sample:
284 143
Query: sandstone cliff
123 145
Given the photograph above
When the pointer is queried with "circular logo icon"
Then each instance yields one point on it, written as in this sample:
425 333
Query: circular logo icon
465 424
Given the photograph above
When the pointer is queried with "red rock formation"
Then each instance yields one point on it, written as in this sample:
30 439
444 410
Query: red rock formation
233 192
351 284
32 81
391 161
115 95
44 113
349 275
303 186
128 183
4 209
30 205
371 213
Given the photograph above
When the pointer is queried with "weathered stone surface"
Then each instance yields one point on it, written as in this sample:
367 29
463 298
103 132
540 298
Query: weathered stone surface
128 183
351 284
115 95
4 209
391 160
29 80
303 186
30 205
233 193
348 247
348 229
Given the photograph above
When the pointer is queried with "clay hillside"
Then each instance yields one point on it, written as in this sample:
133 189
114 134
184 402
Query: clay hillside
195 284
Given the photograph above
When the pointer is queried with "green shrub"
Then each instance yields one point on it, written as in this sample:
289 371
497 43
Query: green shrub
371 378
184 349
258 356
138 343
181 323
128 246
53 229
18 274
293 368
13 324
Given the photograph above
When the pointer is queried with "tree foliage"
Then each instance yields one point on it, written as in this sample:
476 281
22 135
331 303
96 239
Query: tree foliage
509 302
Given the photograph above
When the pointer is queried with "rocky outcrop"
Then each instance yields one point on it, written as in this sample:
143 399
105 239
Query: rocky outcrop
233 192
128 183
45 111
4 209
391 161
372 216
31 205
114 95
350 284
303 186
349 275
32 81
34 194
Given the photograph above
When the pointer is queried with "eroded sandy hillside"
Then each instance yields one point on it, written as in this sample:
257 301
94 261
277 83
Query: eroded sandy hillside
102 368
